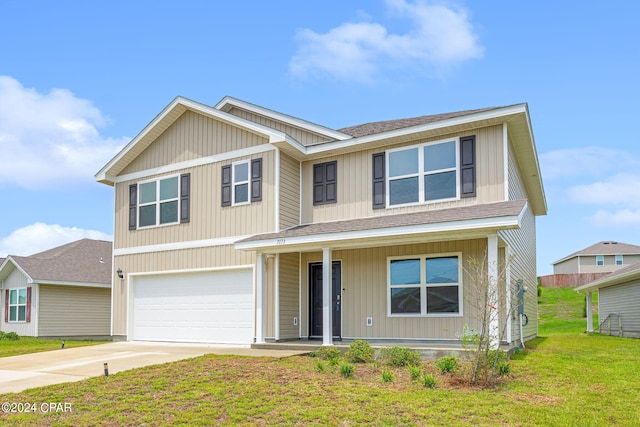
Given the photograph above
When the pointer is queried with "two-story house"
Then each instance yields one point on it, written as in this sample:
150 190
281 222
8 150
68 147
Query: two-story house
240 224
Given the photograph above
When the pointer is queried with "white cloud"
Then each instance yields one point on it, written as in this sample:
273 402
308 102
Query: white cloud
48 139
591 161
40 237
620 218
439 36
620 189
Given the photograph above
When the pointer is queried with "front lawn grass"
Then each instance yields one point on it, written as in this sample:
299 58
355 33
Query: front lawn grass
27 345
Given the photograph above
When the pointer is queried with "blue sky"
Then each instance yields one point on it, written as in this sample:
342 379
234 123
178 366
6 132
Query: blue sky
79 79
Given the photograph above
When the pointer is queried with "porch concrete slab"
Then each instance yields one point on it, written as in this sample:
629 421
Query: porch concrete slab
19 373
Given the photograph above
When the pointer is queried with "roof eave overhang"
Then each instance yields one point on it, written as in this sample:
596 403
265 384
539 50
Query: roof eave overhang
605 282
410 234
72 283
166 118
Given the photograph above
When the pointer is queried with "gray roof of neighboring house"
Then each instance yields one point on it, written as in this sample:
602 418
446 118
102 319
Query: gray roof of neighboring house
624 274
488 210
389 125
607 247
82 261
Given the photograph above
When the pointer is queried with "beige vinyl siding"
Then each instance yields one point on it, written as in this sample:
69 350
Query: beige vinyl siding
569 266
289 295
364 280
16 279
193 136
522 248
588 263
623 300
289 191
355 175
208 219
304 137
175 260
67 311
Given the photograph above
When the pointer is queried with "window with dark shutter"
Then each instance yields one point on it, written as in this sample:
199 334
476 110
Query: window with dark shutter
133 201
185 189
256 180
325 183
468 166
226 185
378 184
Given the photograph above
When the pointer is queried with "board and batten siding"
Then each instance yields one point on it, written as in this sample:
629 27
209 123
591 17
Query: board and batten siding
303 136
522 249
365 294
289 191
163 261
624 301
208 219
16 279
289 285
355 187
67 311
193 136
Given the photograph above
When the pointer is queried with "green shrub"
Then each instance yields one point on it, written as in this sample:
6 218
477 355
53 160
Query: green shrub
320 366
447 364
360 351
504 369
347 369
334 361
387 376
415 372
399 356
429 381
327 353
9 336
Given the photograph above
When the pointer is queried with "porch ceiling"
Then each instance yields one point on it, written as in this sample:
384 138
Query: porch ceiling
444 224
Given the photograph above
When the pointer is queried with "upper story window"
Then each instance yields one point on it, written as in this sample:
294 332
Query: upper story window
242 182
599 259
425 285
618 259
325 179
160 201
17 305
424 173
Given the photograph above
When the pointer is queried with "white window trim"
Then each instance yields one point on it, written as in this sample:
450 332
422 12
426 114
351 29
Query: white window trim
423 285
619 257
599 257
157 202
421 173
234 183
17 305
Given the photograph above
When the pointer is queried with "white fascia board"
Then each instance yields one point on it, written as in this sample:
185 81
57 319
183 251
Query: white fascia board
611 281
485 223
271 134
294 121
83 284
194 244
455 121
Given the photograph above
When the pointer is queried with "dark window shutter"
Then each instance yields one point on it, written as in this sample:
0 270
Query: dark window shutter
256 180
6 305
468 166
378 183
318 181
28 315
133 202
330 182
226 185
185 190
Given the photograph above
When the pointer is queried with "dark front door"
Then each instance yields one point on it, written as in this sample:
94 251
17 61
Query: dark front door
315 293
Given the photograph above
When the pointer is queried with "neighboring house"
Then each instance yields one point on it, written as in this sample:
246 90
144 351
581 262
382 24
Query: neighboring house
240 224
591 263
618 302
62 292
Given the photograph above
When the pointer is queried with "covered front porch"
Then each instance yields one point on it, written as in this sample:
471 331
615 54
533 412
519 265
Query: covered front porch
347 280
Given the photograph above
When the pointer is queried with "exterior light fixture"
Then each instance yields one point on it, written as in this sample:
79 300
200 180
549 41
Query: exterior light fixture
119 273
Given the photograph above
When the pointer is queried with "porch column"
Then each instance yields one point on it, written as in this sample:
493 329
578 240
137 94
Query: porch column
259 298
589 311
507 285
493 301
276 283
327 321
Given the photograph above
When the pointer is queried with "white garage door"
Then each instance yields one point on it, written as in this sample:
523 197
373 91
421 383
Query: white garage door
213 307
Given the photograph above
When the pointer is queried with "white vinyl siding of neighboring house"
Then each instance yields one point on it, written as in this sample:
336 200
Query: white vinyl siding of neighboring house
623 300
17 280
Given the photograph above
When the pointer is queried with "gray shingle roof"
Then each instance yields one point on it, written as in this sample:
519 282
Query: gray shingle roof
83 261
605 248
389 125
488 210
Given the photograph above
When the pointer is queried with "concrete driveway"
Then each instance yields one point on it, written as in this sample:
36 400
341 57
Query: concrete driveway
19 373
